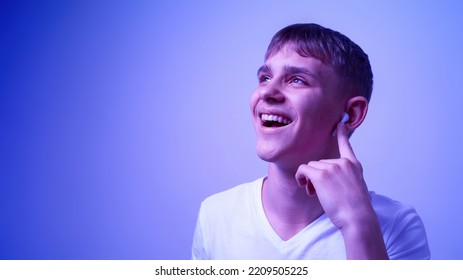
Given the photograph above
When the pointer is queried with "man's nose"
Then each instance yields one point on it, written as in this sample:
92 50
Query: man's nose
271 93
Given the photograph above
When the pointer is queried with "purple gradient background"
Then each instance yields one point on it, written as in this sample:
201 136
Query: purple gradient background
117 119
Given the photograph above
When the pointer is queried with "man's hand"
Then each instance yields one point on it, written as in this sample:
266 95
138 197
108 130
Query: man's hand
343 194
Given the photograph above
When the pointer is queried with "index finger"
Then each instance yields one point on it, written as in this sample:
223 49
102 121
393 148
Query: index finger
345 149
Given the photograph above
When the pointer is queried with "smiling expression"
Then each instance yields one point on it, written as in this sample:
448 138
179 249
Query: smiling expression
295 108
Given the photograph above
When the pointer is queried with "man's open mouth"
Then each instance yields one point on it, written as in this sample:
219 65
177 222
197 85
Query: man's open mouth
269 120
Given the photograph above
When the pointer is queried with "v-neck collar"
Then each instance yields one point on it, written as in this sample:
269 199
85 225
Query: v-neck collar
270 231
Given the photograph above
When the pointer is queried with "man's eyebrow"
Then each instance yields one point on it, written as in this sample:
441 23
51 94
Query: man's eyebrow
288 70
263 69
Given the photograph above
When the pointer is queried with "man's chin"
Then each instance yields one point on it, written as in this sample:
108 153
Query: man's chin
280 158
267 155
271 155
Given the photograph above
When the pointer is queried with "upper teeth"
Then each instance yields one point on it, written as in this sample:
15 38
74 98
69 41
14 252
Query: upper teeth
275 118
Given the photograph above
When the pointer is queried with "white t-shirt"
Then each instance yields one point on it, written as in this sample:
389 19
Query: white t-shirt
232 225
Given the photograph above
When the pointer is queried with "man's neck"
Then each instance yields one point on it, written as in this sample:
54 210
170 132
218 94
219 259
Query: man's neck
287 206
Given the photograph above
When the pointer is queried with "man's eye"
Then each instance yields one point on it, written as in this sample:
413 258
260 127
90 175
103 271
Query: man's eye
296 80
264 79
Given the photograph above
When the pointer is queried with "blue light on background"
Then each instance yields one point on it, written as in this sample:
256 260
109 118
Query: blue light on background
119 117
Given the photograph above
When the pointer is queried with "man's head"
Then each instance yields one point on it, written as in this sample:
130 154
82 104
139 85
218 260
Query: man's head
311 77
331 47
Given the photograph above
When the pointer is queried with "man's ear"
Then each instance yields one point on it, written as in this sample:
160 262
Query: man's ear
357 108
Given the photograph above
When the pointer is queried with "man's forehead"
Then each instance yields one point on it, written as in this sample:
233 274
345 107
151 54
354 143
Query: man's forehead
287 47
290 61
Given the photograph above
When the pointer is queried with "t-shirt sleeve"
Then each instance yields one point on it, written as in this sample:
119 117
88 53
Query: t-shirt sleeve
408 240
197 250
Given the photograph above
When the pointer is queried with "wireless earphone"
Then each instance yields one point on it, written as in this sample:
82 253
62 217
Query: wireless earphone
345 118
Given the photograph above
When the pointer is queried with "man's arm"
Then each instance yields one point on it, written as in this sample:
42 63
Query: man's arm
344 196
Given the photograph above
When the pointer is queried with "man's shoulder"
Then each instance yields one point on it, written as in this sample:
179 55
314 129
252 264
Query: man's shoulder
403 229
233 196
387 205
392 214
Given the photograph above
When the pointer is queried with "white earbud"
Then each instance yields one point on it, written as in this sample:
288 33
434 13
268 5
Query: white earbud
345 118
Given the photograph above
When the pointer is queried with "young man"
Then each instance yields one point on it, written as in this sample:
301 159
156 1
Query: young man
313 92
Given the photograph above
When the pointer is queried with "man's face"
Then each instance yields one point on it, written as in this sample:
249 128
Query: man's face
295 109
